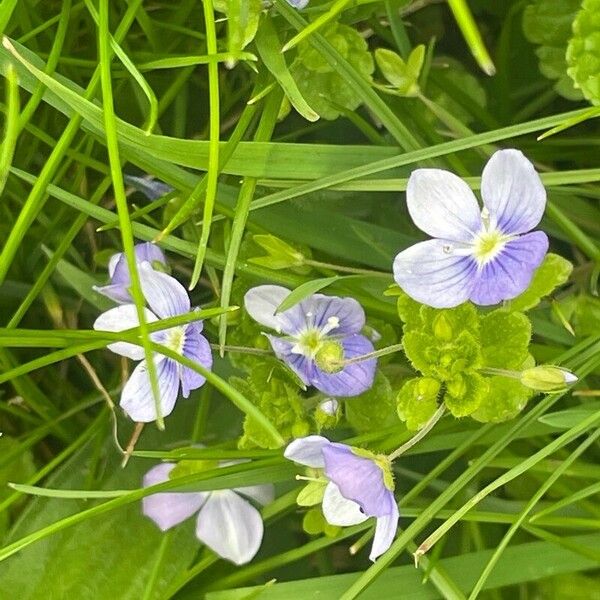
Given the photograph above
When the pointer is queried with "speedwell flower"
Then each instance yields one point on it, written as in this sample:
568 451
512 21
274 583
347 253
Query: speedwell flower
484 256
320 333
167 298
227 523
360 485
118 271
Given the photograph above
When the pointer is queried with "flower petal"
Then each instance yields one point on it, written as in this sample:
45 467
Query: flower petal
442 205
261 303
438 273
358 479
230 526
510 273
164 294
121 318
513 192
354 378
196 348
168 509
385 531
137 399
148 252
339 510
340 316
307 451
117 292
301 365
149 186
261 494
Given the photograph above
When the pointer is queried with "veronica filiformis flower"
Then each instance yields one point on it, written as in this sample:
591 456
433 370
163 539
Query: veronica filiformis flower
359 485
166 297
320 333
485 256
118 271
227 522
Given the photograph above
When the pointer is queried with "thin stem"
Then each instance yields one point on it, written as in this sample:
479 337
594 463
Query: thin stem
323 265
381 352
437 415
502 372
242 349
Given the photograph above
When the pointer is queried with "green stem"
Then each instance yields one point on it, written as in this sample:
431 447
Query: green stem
375 354
323 265
437 415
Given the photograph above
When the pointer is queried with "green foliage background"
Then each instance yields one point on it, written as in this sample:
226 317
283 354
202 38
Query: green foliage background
290 168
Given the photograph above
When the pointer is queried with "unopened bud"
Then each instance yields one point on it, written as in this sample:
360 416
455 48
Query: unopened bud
442 328
330 357
547 378
328 413
329 406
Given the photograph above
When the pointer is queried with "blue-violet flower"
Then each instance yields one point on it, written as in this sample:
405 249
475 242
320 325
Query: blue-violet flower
320 333
227 523
360 485
166 298
484 256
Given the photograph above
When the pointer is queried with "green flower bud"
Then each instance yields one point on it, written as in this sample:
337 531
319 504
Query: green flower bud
442 329
328 413
330 356
547 378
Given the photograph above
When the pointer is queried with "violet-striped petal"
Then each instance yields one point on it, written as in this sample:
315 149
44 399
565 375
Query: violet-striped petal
168 509
385 531
307 451
261 303
513 192
340 511
442 205
509 274
436 272
353 379
358 478
164 294
230 526
196 348
339 316
147 185
115 291
137 399
301 365
261 494
121 318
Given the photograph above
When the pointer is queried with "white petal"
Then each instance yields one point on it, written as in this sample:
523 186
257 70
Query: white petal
385 531
137 399
168 509
339 510
230 526
121 318
262 301
261 494
436 272
164 294
442 205
307 451
513 192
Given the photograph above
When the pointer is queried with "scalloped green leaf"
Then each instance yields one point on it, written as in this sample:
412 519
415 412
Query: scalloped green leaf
505 339
465 393
416 401
505 398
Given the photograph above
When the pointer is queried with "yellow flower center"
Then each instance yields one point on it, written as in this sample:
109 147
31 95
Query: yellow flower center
488 244
176 339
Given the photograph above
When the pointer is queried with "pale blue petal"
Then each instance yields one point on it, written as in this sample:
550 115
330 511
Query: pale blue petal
513 192
307 451
302 366
442 205
385 531
261 303
340 511
137 399
168 509
438 273
196 348
230 526
261 494
510 273
339 316
353 379
150 187
164 294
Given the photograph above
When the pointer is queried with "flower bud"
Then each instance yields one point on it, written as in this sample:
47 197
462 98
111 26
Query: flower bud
442 328
328 413
547 378
330 357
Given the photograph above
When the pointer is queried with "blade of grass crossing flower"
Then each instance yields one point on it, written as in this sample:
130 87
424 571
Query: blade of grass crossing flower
134 72
465 21
11 126
263 133
305 290
214 133
37 197
560 470
336 8
112 143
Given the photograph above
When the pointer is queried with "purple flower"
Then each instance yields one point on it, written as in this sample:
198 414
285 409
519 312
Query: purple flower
298 3
227 523
360 485
118 271
320 332
167 298
484 256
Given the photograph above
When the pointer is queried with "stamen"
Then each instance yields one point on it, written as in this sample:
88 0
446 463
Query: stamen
332 323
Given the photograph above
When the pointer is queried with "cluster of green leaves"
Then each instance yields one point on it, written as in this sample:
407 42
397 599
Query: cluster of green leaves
451 349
